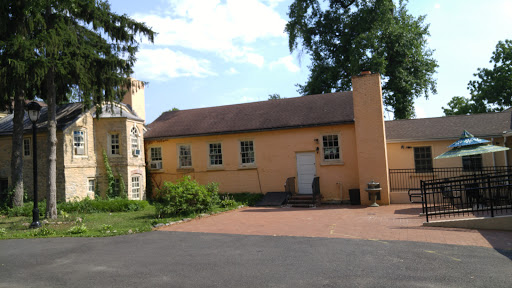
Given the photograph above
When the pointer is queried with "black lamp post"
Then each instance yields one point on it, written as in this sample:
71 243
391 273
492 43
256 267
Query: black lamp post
34 110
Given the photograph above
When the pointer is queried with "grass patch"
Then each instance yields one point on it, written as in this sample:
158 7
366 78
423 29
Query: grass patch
247 199
80 225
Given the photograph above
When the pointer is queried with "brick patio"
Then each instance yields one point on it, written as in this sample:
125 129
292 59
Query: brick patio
392 222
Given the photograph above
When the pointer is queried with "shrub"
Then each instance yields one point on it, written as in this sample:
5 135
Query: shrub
78 229
97 206
44 231
185 197
26 209
248 199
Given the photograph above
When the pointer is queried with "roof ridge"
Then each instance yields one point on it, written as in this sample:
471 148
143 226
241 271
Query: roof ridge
450 116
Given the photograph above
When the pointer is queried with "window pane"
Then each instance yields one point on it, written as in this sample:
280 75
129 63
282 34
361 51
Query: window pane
79 142
136 187
114 144
26 147
423 159
215 153
331 147
247 152
472 162
185 157
156 154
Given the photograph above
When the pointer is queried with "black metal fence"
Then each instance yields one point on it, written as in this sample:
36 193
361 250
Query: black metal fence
469 195
402 180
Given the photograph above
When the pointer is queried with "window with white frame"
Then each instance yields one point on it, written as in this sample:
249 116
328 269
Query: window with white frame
134 141
156 158
185 156
79 142
331 147
247 152
91 185
136 187
26 147
114 144
215 154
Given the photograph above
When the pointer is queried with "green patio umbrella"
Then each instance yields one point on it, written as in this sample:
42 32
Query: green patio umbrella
470 145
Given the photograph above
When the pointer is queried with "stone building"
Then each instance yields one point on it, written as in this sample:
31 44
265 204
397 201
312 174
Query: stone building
81 139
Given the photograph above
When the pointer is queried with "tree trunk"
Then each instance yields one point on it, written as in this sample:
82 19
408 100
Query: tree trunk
51 189
17 148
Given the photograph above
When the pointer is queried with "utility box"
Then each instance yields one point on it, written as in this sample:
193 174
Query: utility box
355 196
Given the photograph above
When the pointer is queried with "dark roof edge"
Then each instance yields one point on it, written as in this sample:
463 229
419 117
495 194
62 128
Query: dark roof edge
250 130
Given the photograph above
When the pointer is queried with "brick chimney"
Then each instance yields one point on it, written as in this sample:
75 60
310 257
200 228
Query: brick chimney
370 134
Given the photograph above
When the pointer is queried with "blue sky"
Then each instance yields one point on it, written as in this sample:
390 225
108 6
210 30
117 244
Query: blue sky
212 52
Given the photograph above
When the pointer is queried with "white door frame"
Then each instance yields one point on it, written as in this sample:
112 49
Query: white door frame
307 170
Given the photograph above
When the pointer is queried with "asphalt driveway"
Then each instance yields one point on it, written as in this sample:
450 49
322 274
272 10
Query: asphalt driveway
180 259
392 222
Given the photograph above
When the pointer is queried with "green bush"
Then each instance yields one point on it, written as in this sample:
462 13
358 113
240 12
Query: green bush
84 206
78 229
185 197
44 231
248 199
26 209
97 206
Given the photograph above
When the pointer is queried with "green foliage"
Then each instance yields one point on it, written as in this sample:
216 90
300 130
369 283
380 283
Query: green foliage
78 229
84 206
274 96
347 37
122 189
492 92
110 177
44 231
248 199
185 197
106 228
3 231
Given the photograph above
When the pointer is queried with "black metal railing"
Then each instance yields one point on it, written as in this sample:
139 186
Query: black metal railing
469 195
402 180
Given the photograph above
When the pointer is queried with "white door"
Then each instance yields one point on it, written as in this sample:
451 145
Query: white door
306 171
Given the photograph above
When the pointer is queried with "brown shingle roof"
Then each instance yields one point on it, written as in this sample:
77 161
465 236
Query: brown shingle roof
448 127
312 110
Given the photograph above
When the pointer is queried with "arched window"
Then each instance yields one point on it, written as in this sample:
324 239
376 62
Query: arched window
134 140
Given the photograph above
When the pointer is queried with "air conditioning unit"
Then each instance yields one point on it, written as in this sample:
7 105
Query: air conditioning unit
156 165
79 151
136 152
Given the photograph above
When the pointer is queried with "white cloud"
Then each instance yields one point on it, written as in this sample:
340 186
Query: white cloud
437 6
420 112
232 71
225 28
287 62
163 64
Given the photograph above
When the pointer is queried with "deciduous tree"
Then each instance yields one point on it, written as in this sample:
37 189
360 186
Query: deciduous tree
345 37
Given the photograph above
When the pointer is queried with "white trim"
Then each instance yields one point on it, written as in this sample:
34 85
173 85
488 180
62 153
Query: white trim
157 163
246 165
178 156
215 166
85 137
321 152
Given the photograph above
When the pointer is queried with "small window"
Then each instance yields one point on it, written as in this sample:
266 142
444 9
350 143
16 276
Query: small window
156 158
185 157
79 142
136 187
472 162
91 185
134 140
215 154
423 159
26 147
114 144
331 147
247 152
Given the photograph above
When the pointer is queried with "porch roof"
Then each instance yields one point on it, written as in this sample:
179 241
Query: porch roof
485 125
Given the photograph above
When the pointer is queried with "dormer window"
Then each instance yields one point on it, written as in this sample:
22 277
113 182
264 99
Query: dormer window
134 140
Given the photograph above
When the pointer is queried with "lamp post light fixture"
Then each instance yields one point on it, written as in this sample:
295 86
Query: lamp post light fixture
34 110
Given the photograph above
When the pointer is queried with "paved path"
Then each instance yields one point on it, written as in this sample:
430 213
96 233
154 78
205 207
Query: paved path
180 259
392 222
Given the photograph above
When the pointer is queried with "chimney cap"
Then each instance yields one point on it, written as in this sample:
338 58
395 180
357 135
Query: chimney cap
366 72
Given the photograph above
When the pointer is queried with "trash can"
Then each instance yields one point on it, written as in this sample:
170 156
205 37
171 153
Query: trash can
355 196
